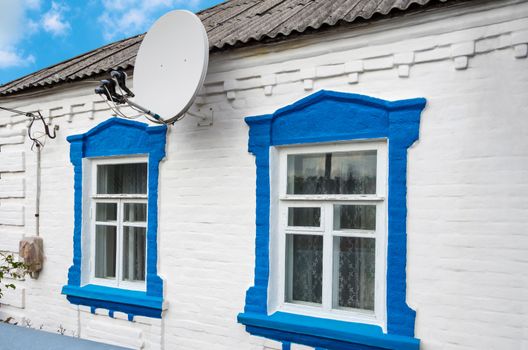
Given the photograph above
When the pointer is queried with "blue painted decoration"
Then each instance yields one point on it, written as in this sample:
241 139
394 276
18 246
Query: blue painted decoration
118 137
328 116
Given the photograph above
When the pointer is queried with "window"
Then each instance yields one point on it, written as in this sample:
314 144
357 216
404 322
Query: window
330 228
119 222
115 233
330 231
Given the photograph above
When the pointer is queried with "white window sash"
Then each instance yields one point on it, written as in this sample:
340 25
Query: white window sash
280 202
120 200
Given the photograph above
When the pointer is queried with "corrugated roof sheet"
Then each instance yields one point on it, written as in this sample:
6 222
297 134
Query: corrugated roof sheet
232 23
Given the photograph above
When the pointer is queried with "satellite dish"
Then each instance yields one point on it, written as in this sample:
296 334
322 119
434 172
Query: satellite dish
171 65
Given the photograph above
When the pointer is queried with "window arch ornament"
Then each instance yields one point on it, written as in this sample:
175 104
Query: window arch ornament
117 137
324 117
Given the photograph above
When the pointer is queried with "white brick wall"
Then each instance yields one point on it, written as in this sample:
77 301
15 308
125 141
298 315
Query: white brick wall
467 177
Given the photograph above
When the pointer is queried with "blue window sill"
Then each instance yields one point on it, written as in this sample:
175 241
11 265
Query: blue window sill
324 333
131 302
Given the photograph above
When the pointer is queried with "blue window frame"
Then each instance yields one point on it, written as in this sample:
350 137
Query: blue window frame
117 138
324 117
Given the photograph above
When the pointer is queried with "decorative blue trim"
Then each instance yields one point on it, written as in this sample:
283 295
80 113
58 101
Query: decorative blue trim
130 302
319 332
118 137
328 116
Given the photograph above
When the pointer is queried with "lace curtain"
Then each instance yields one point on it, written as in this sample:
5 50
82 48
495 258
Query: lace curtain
332 173
353 258
355 272
306 268
122 178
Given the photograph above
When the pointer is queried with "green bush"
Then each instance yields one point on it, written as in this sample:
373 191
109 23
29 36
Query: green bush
11 268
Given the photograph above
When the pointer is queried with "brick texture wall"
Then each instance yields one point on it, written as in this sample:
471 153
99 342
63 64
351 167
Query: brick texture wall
467 183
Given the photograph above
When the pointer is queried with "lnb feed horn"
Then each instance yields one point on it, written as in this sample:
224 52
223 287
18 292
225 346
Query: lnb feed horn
102 91
121 77
110 86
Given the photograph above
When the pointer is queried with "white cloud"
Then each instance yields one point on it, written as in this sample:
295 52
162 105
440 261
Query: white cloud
53 21
10 58
11 17
128 23
119 5
14 27
33 4
130 17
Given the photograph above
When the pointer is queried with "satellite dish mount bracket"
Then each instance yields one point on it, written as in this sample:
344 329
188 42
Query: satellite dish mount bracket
108 90
205 116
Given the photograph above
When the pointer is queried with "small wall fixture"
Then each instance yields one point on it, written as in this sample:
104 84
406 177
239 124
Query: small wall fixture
31 249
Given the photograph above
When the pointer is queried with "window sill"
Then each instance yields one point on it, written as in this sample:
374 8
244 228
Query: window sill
350 316
131 302
324 333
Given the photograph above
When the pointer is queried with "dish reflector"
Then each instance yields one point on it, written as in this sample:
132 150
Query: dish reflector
171 64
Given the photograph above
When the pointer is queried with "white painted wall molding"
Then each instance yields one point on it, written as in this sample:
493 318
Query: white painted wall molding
12 188
230 86
353 68
7 132
403 62
519 41
521 50
12 215
330 70
351 61
269 81
142 333
9 119
12 136
11 162
308 75
14 297
54 113
378 63
75 109
98 106
110 332
469 21
457 46
447 45
10 237
461 52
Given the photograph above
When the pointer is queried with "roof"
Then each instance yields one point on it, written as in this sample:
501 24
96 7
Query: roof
230 24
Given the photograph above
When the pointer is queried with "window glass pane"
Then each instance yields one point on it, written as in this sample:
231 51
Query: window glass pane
357 217
135 212
105 251
134 240
354 272
106 211
122 178
304 217
306 173
304 269
332 173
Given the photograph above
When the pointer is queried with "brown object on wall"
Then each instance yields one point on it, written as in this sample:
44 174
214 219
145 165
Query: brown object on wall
31 249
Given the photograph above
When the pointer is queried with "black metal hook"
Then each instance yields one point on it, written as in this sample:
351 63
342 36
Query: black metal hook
33 116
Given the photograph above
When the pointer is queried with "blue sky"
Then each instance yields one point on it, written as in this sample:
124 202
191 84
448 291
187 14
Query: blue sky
38 33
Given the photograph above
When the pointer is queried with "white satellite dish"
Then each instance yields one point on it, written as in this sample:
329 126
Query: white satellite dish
171 65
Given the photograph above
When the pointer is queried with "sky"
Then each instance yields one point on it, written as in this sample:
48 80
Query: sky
35 34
